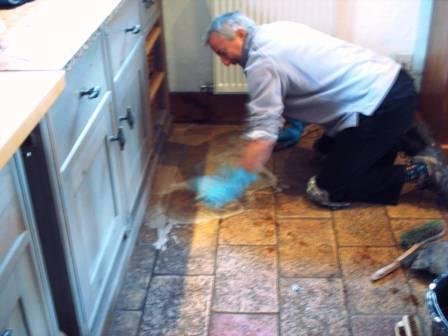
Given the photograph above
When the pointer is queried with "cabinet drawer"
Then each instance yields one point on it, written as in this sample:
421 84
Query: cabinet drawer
150 12
85 87
123 30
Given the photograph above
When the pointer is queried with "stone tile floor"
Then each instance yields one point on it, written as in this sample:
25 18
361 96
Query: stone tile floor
283 267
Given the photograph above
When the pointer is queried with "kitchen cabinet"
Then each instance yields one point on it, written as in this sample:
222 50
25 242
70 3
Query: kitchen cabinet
26 307
89 160
82 143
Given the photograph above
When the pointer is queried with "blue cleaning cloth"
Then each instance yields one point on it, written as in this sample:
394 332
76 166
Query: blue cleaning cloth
290 135
226 186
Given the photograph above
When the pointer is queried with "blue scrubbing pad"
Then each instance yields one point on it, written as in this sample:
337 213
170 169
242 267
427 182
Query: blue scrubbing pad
226 186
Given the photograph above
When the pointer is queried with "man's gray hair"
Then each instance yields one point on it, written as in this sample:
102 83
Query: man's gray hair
228 23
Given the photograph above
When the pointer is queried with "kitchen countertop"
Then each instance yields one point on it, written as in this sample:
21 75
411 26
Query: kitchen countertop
37 40
26 97
47 34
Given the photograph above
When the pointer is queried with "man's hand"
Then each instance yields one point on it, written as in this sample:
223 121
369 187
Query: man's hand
290 134
256 153
226 186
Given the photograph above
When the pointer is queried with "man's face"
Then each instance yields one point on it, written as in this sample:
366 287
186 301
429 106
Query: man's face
229 51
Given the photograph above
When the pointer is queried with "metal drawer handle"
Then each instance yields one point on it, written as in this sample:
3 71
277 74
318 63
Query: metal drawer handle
129 117
119 137
6 332
134 29
91 93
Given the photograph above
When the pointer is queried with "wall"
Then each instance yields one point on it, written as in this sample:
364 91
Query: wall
398 28
189 61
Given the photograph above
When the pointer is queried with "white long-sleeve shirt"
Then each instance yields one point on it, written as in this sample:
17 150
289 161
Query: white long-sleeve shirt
295 71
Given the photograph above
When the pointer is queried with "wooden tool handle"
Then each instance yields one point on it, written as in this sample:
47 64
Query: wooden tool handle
382 272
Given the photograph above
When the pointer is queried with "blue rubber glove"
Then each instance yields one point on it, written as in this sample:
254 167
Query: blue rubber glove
290 135
226 186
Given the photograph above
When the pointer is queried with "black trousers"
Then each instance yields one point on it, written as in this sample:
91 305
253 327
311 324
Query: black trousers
359 166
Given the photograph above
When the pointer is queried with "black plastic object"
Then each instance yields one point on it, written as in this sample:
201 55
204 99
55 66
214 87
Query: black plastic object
437 303
12 3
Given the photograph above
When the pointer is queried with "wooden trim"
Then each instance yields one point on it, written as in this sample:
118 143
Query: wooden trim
152 38
204 107
434 91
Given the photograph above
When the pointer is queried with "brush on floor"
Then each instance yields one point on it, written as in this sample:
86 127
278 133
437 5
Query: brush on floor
412 240
408 326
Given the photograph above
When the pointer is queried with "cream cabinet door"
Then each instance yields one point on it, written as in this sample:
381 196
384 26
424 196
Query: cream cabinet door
94 225
132 112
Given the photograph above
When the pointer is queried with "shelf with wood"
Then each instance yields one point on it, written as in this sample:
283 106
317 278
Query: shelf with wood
152 38
155 84
158 82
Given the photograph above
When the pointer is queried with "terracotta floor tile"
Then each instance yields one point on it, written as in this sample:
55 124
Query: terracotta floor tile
193 161
191 134
297 206
366 226
191 250
390 295
307 248
295 161
249 228
246 279
177 306
220 129
164 177
373 325
124 323
172 153
417 204
224 324
312 307
262 200
135 283
147 234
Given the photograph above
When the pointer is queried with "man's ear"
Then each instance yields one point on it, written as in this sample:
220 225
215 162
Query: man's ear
241 33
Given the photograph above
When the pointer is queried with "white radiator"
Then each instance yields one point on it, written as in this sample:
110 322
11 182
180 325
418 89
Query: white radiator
319 14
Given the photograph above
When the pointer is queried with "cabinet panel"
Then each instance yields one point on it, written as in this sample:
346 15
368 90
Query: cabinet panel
25 304
94 224
123 31
86 85
131 104
11 219
22 306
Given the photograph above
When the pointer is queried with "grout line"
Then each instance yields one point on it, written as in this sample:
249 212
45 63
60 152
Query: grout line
212 296
277 249
343 283
148 286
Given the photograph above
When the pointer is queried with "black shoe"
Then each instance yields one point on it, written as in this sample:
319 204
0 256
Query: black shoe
437 179
416 139
430 155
